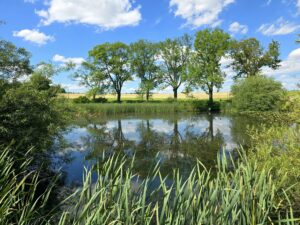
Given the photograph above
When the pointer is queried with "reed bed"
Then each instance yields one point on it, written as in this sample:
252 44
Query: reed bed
133 108
238 193
150 108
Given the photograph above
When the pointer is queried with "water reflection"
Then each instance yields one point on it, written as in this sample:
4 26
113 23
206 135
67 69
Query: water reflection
177 142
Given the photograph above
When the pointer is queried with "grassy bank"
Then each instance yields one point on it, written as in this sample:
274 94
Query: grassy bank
134 108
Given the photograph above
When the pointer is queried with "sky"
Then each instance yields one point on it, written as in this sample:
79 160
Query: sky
59 31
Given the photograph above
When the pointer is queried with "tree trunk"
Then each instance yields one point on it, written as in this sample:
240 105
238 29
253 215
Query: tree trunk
210 98
147 95
94 97
175 93
119 96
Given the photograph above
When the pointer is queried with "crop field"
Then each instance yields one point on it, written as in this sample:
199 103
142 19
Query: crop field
156 96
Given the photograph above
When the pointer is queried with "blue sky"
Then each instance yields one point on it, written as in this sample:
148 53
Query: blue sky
62 30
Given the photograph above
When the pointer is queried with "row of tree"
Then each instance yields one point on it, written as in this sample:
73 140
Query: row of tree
173 62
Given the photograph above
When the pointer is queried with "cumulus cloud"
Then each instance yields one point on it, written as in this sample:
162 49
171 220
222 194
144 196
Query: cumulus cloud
106 14
63 59
237 28
34 36
199 12
290 65
279 27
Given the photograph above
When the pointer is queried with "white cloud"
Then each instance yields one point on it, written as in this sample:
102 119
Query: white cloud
280 27
288 66
237 28
199 12
63 59
106 14
289 71
34 36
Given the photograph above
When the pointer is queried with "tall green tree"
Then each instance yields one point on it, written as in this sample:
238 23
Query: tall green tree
92 78
113 59
144 65
205 67
249 57
14 61
175 55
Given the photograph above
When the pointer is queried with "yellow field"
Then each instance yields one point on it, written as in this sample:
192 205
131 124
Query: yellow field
219 95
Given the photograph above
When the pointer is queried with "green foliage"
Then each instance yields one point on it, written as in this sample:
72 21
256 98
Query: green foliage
257 94
249 57
278 148
113 61
205 67
28 116
91 77
144 65
14 61
99 100
175 56
81 99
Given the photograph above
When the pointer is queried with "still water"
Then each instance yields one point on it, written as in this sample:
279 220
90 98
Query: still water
175 141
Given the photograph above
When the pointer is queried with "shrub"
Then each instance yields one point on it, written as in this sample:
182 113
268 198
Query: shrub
99 100
28 116
81 99
257 94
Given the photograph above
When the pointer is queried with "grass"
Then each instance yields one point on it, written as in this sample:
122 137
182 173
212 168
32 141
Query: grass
238 193
134 108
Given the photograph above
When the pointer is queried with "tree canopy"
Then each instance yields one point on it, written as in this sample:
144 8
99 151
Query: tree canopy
175 56
144 65
113 59
14 61
205 67
249 57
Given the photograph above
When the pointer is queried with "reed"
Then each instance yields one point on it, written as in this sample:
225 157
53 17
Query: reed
244 195
238 193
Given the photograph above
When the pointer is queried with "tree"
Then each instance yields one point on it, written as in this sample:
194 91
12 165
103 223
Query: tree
175 56
113 61
92 78
205 67
14 61
144 65
298 41
40 79
249 57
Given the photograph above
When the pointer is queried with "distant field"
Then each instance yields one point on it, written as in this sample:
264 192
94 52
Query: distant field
219 95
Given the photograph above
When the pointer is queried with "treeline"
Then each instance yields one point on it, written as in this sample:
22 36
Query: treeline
195 62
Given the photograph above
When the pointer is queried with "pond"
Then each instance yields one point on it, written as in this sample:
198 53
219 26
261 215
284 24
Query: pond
175 141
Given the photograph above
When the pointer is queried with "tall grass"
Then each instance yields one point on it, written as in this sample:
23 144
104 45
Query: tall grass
92 109
238 193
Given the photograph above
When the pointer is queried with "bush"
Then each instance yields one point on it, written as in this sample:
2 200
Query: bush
81 99
257 94
99 100
28 116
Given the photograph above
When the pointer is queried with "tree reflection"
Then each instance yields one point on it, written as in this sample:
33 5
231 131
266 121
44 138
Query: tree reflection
176 148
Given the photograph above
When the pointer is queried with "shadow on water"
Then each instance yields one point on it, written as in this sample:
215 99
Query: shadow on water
173 141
